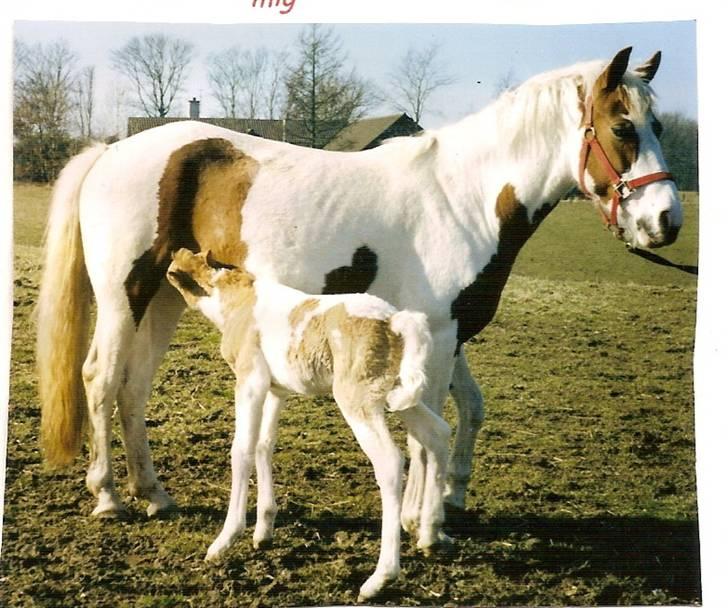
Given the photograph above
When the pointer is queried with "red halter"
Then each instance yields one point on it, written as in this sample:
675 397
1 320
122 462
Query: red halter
622 188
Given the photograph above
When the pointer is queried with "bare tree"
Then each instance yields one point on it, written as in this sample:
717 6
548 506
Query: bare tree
42 92
257 67
418 75
274 95
84 99
505 82
226 74
247 83
321 94
156 65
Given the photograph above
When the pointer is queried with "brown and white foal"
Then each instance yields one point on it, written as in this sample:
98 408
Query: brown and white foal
357 346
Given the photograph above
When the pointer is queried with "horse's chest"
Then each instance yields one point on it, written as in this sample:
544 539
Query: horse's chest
476 303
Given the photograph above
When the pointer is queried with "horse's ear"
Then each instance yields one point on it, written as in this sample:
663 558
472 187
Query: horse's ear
648 69
612 76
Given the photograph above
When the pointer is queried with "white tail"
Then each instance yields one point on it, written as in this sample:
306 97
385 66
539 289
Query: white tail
413 328
63 317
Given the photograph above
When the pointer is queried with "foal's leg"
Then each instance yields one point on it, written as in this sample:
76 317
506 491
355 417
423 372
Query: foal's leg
102 373
469 402
433 433
250 391
439 370
267 509
373 436
150 343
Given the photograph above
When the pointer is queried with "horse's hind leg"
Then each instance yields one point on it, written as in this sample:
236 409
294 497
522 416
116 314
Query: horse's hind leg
469 402
432 433
102 374
150 343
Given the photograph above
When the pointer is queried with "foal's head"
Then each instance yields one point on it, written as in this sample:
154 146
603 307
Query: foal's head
197 276
621 164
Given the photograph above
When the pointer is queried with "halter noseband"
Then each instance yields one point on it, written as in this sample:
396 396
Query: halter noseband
622 188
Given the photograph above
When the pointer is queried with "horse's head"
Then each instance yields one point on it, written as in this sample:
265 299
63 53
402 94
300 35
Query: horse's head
196 275
621 164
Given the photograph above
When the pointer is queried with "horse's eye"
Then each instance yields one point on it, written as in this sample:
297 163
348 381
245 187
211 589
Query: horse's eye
657 128
623 129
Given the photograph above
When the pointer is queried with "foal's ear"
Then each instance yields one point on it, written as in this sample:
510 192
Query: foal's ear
648 69
180 253
217 265
612 76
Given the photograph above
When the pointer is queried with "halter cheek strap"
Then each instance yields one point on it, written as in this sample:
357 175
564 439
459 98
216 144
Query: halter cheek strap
621 188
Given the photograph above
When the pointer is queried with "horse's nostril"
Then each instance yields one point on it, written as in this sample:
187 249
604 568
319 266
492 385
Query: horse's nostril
664 222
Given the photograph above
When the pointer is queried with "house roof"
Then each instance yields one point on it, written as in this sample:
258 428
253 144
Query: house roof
369 132
360 135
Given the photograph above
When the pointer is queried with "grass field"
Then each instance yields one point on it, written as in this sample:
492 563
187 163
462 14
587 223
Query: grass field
583 491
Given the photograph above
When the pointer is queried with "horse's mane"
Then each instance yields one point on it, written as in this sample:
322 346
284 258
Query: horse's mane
528 117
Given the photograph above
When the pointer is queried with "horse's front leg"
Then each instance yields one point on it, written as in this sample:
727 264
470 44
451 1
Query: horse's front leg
469 403
267 509
439 371
250 392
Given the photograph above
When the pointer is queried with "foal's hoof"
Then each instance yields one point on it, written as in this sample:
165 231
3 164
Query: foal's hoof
375 584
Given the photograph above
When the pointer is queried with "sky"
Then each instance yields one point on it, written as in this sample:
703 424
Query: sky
476 55
474 51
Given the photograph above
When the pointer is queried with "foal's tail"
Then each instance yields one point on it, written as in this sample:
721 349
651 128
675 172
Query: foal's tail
63 317
412 326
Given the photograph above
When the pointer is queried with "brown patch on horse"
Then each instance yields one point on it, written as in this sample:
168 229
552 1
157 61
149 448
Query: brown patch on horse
299 313
356 278
476 304
361 357
201 194
609 108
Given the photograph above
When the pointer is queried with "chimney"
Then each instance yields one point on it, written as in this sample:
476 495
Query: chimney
194 108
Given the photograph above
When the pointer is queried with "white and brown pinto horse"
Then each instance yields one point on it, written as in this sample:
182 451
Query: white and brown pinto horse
430 223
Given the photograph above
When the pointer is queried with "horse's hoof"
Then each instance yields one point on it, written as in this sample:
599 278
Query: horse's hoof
444 545
411 525
161 511
263 543
114 514
454 497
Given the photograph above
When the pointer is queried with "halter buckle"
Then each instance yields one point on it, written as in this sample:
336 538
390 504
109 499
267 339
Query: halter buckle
622 189
589 133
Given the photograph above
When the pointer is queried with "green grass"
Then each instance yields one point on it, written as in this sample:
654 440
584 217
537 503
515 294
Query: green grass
30 210
583 491
573 245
